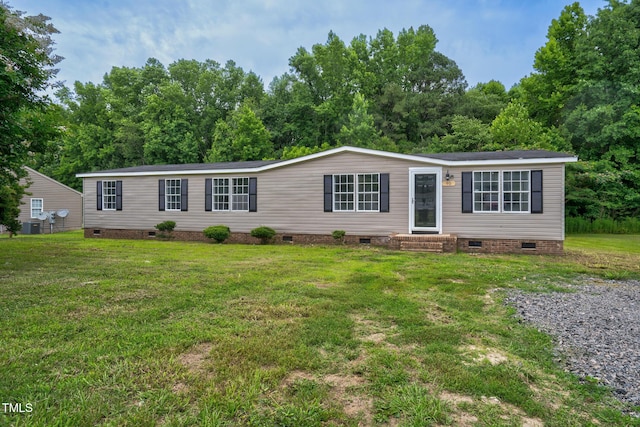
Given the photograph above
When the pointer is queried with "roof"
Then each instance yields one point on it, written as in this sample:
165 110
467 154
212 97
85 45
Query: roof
441 159
192 167
497 155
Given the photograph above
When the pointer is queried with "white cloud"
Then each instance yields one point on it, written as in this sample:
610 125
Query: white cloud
488 39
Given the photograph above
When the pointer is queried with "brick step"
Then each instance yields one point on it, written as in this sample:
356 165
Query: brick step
422 246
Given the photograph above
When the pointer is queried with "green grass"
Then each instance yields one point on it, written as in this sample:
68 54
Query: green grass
129 333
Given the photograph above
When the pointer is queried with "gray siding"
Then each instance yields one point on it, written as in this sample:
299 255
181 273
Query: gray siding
290 200
546 226
55 196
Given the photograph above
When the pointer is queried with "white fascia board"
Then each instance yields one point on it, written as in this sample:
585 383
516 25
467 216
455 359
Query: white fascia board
169 173
507 162
386 154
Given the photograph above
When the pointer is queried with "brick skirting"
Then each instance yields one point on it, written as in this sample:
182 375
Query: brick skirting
244 238
448 243
511 246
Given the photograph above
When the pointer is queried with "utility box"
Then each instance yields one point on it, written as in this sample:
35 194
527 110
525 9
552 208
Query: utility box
30 228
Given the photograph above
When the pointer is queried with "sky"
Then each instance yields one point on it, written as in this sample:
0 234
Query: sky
488 39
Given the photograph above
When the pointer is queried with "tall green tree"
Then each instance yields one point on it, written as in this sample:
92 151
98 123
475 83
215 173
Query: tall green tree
557 64
26 73
587 88
242 136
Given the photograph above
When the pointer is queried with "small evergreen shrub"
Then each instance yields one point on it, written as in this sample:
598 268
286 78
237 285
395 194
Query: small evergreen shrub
219 233
265 234
338 235
167 226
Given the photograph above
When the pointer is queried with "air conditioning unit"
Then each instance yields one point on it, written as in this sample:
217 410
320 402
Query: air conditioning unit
30 228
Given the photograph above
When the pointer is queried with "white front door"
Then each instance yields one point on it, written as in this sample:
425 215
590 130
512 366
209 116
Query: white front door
425 200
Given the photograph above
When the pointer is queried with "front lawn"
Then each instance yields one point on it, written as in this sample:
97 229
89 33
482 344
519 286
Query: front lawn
122 332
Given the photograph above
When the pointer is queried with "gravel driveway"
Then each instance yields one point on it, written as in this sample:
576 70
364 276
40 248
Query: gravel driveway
596 327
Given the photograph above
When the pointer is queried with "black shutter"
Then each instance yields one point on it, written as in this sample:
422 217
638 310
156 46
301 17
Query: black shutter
118 195
328 193
384 192
536 192
253 194
208 192
184 195
99 195
467 192
161 194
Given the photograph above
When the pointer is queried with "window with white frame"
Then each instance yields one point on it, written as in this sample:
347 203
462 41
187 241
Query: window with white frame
230 194
486 191
37 205
240 194
172 194
356 192
369 192
343 192
220 194
515 191
109 195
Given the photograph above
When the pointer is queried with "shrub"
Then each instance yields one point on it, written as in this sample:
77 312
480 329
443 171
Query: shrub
219 233
339 235
265 234
167 226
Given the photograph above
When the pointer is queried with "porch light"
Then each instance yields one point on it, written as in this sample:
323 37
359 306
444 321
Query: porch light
448 176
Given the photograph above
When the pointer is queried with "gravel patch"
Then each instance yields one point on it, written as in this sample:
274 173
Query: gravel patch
596 327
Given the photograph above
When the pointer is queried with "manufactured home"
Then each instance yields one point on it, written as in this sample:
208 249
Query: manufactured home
48 205
505 201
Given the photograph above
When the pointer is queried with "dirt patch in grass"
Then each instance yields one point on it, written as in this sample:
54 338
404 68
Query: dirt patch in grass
373 332
296 376
480 355
342 391
194 360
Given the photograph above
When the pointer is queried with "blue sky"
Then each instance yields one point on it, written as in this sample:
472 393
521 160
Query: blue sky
488 39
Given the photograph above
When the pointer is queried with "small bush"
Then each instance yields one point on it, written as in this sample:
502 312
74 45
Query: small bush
338 235
219 233
265 234
167 226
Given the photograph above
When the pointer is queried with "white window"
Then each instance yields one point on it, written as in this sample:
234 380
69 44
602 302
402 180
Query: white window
486 191
240 194
515 191
369 192
508 191
343 193
37 205
172 194
230 194
356 192
220 194
109 195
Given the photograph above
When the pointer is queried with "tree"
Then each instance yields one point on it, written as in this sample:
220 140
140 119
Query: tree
26 62
361 131
242 137
467 134
514 129
483 101
558 64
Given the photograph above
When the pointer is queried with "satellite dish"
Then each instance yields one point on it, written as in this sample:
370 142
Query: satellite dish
43 215
63 213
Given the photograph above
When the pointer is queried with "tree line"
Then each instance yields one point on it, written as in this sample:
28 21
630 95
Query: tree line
393 92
